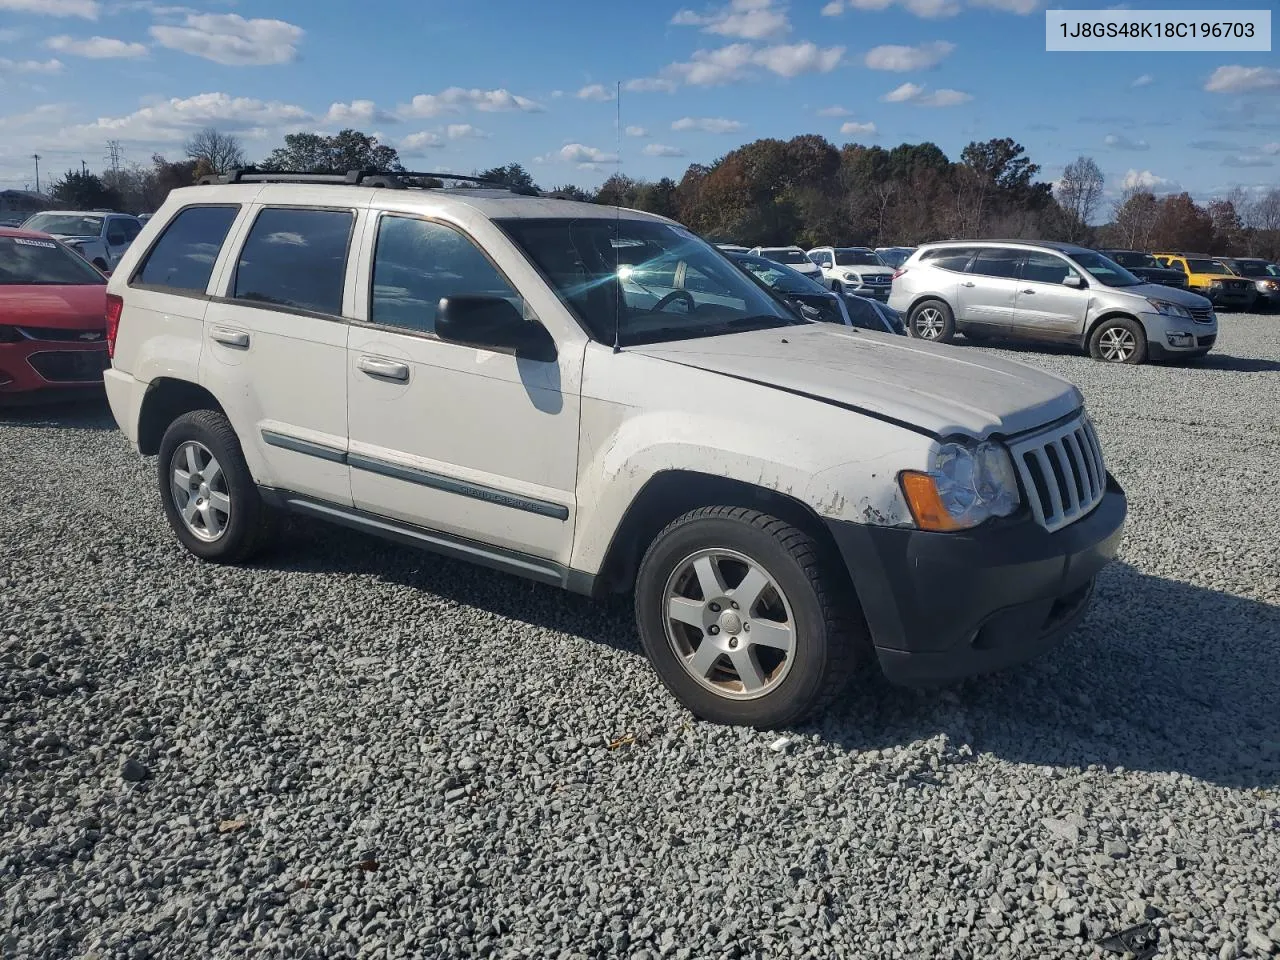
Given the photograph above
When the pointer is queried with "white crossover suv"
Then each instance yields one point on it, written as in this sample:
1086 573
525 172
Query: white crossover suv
854 270
597 399
793 257
100 237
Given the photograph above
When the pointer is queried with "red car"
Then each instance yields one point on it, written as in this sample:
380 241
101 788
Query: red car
53 331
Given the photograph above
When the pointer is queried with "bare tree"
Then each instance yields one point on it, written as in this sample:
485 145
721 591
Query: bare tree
1078 194
1134 217
220 151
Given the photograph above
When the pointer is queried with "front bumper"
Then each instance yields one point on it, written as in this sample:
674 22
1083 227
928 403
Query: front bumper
34 369
1229 300
941 606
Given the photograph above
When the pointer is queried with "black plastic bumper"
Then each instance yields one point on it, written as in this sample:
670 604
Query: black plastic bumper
946 605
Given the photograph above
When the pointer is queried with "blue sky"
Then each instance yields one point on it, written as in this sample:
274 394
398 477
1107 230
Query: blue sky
462 86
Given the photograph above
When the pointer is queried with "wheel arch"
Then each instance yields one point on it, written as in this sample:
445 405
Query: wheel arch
1111 315
166 399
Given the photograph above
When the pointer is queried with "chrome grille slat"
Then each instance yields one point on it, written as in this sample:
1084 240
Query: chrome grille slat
1060 496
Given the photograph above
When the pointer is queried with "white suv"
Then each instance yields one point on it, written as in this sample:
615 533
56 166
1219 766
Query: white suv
857 270
100 237
597 399
793 257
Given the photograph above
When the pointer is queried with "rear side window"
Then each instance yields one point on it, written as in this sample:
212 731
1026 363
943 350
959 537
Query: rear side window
183 257
296 258
418 263
949 258
997 262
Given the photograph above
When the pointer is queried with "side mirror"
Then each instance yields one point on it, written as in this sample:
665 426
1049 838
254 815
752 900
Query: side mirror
492 323
1073 280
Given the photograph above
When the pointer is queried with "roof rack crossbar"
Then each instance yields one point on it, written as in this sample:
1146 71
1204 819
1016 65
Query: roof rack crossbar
397 180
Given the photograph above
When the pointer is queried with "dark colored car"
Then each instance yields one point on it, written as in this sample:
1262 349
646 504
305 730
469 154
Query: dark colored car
1146 267
871 314
1265 276
53 328
814 300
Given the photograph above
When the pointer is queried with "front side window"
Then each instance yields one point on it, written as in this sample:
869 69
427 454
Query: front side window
417 263
1045 268
65 225
997 262
1106 271
115 233
28 260
857 258
131 228
648 280
183 257
296 258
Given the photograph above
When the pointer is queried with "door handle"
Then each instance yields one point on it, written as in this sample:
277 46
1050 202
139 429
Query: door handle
1027 291
230 338
967 283
381 369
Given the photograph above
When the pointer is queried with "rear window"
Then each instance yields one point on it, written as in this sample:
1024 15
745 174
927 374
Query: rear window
183 257
296 258
26 260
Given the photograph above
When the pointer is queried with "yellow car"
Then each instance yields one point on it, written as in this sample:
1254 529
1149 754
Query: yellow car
1211 278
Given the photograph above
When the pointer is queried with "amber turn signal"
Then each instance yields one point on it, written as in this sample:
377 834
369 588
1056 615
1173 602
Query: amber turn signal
926 506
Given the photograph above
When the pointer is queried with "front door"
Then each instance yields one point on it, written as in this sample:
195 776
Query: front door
469 442
1046 308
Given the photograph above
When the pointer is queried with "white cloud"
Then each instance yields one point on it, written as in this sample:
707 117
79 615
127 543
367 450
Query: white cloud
1248 160
744 19
835 112
175 119
925 9
595 91
708 124
88 9
96 48
917 94
833 9
902 59
425 140
30 66
662 150
1020 7
637 132
456 99
1143 81
739 61
1146 180
230 39
465 131
1272 148
852 129
1118 141
585 157
1237 79
356 113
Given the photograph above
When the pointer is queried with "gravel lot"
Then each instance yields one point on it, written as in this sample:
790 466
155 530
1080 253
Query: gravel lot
356 749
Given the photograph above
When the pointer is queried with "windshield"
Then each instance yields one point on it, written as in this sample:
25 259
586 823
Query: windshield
1207 266
65 224
650 281
786 256
857 258
1106 272
893 258
1256 268
778 275
1143 260
26 260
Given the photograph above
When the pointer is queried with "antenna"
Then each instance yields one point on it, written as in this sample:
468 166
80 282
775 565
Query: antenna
617 250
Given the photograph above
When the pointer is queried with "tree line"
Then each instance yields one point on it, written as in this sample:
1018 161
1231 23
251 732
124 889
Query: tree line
805 190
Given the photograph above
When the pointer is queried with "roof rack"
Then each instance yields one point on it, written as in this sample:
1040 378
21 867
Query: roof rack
360 178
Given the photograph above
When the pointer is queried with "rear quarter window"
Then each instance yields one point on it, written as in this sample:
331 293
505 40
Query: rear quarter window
297 258
183 258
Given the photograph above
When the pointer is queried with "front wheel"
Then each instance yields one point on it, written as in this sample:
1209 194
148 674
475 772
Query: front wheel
1118 340
744 619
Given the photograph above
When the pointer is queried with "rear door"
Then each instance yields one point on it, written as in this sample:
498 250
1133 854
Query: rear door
989 289
1045 308
276 342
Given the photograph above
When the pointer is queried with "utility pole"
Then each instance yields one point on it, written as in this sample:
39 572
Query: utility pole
84 168
36 157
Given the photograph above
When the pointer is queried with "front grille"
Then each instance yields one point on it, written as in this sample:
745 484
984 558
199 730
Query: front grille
1205 341
1062 472
1178 282
70 366
62 336
1202 314
878 280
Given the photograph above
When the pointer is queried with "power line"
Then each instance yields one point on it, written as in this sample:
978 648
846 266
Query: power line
114 155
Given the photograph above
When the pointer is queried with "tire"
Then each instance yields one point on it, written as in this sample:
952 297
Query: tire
231 535
932 320
1118 340
799 601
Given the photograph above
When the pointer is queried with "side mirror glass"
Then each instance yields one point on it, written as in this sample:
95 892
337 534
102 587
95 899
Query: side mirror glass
492 323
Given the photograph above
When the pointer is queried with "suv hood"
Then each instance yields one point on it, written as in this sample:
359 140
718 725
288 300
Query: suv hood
931 388
1157 291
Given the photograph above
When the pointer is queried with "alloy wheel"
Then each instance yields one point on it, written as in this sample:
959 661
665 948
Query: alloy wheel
199 490
929 323
1117 344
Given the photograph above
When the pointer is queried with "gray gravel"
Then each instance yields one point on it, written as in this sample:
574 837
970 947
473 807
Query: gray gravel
354 749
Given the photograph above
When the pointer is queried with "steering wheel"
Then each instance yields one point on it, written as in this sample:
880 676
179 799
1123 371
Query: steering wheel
674 295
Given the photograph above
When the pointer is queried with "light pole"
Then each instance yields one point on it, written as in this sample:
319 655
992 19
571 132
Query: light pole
36 157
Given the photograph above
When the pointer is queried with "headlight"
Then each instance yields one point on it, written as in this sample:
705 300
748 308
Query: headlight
1170 309
853 278
965 486
1215 283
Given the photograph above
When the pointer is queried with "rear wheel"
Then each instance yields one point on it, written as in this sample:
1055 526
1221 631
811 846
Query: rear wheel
743 619
209 495
932 320
1118 340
